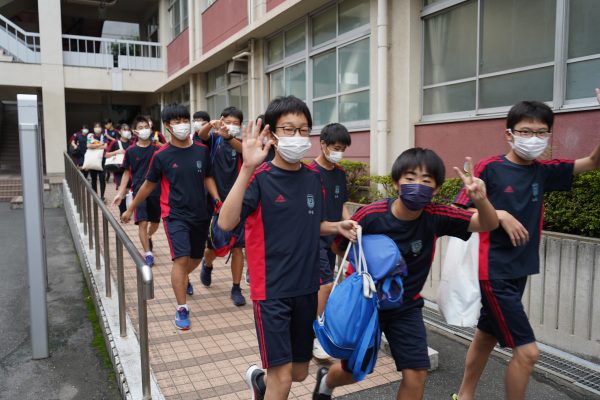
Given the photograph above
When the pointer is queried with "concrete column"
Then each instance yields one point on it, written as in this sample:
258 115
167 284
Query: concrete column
192 30
256 79
192 88
404 61
53 84
201 93
164 29
258 8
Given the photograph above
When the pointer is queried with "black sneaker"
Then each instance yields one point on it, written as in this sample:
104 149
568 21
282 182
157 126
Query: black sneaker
150 244
205 274
237 296
316 395
190 289
254 378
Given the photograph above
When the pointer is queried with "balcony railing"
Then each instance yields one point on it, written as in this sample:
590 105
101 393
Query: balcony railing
22 45
87 51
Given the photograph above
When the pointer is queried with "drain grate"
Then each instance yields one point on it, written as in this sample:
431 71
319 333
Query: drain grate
579 375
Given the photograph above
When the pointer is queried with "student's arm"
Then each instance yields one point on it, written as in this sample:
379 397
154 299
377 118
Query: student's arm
236 144
345 212
588 163
204 132
122 189
346 228
486 218
254 154
141 195
211 187
115 152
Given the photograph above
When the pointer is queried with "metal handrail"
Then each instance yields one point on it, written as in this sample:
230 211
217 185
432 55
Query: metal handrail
23 45
86 199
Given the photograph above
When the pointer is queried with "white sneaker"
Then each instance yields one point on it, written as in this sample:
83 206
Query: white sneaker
319 353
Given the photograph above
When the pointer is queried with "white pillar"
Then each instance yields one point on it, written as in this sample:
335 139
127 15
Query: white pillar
53 84
382 86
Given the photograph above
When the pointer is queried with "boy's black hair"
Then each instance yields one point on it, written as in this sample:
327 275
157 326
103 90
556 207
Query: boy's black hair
148 118
203 115
174 111
417 157
233 112
98 123
534 110
335 133
124 124
285 105
84 126
107 120
137 120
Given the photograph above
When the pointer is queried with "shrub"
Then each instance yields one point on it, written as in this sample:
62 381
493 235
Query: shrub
448 191
355 171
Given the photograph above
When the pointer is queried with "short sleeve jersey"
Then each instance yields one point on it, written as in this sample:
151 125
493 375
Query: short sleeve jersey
226 164
518 189
415 239
114 146
283 212
181 173
81 142
113 133
137 160
336 194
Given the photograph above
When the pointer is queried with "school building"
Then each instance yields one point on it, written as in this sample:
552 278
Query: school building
398 73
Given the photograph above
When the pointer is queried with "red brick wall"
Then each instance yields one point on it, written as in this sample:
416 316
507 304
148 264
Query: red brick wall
574 135
219 22
178 53
271 4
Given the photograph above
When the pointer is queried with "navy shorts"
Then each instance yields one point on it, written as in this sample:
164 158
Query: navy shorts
186 239
502 312
284 329
326 265
148 210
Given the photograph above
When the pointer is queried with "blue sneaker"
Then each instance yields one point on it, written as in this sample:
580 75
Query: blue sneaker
237 296
150 260
190 289
182 319
206 274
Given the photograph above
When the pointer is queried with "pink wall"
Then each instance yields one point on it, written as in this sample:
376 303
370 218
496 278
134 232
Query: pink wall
358 151
574 135
178 53
271 4
219 23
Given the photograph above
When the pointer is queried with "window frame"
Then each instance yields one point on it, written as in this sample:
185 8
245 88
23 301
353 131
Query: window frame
224 90
307 55
559 65
183 17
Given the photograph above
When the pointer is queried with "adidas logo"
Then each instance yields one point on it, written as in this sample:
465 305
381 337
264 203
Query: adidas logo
280 199
509 189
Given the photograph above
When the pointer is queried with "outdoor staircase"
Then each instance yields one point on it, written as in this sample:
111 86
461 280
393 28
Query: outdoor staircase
5 56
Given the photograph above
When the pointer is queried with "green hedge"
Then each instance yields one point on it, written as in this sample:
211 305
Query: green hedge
576 212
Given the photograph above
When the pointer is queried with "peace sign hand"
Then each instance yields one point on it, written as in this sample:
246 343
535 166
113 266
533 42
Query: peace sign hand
254 146
475 187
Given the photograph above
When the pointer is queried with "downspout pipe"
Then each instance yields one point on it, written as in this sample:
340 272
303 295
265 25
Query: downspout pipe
382 86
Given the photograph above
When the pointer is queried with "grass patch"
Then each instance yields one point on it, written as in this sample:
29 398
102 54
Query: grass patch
98 339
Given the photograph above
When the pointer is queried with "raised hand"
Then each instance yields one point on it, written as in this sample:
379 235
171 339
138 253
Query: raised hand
475 187
255 144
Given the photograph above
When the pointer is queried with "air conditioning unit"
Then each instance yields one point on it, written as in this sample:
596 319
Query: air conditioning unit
237 67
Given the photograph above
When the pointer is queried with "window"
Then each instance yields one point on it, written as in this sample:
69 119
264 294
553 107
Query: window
226 89
328 67
178 14
181 95
207 3
476 66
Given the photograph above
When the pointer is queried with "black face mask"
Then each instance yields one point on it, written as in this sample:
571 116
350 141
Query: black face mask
415 196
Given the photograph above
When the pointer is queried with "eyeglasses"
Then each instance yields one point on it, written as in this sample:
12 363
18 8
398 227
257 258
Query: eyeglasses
291 131
527 133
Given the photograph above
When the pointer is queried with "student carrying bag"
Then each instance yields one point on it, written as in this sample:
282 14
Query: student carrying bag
93 160
349 327
113 164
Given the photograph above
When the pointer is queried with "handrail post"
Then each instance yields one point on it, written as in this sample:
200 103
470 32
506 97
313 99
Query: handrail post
106 256
121 288
88 213
143 334
83 214
97 237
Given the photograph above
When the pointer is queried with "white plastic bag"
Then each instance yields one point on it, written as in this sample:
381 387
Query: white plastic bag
459 296
128 198
93 159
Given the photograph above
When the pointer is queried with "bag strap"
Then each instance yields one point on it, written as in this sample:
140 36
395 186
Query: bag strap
370 338
120 145
341 266
387 286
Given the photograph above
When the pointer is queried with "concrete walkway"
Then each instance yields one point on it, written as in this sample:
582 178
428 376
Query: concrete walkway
74 370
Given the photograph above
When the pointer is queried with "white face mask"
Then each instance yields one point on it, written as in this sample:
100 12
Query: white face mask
334 156
126 134
144 134
97 130
181 131
85 131
197 125
528 148
234 130
293 148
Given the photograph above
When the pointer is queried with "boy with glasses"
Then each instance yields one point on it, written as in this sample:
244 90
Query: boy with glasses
516 183
282 204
